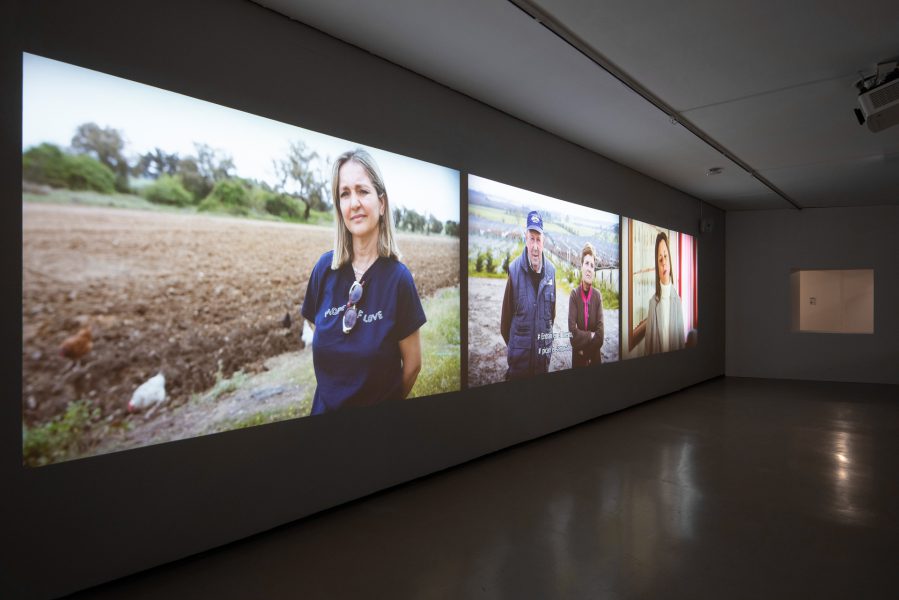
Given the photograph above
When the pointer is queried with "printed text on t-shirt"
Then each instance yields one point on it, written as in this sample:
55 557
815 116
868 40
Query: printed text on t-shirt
365 317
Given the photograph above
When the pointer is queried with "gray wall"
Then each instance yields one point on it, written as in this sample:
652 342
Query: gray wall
72 525
763 247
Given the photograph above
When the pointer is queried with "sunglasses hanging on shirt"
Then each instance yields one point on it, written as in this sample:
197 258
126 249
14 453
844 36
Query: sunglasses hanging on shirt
351 314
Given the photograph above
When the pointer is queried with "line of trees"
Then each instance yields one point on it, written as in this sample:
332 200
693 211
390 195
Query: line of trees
409 219
206 179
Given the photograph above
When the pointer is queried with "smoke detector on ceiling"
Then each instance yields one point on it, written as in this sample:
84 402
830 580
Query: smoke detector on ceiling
878 97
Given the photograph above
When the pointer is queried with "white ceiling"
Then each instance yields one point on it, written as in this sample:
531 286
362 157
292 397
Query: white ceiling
770 83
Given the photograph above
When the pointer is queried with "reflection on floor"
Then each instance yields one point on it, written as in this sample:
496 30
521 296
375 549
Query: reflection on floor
735 488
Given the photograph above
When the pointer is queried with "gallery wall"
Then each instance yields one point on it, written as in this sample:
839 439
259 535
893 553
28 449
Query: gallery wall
763 247
72 525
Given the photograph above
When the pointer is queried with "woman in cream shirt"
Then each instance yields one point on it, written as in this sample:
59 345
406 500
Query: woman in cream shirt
665 321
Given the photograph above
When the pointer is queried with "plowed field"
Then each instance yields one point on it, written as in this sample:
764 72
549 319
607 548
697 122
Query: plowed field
194 296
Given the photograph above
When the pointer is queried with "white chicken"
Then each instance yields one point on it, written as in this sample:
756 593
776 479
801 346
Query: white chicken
150 394
307 334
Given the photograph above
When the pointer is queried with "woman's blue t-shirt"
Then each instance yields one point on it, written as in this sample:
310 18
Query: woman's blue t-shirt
363 366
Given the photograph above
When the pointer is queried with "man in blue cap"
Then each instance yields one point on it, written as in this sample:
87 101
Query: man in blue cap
529 306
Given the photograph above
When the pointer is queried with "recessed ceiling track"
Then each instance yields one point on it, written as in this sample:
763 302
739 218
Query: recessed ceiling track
573 40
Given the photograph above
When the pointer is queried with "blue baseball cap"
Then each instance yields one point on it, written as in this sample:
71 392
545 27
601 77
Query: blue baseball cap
534 221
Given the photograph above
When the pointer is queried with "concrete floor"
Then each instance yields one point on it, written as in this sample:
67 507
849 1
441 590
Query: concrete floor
735 488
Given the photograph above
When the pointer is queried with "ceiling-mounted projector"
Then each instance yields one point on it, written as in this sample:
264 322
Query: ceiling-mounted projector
878 99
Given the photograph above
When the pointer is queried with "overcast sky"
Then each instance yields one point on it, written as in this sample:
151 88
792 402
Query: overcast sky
58 97
534 201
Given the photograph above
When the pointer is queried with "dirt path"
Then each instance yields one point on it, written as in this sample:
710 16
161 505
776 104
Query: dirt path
486 347
487 350
282 390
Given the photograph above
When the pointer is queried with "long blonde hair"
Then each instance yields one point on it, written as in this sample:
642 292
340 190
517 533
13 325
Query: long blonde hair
343 239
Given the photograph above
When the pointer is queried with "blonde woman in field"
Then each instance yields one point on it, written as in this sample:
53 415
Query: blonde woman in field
362 300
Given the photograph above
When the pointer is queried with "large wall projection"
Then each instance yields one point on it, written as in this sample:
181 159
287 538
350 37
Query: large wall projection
659 293
160 284
543 284
167 246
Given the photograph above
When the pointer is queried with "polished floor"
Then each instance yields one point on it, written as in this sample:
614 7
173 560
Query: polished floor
735 488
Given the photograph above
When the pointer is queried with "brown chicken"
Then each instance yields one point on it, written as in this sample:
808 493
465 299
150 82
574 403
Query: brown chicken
75 347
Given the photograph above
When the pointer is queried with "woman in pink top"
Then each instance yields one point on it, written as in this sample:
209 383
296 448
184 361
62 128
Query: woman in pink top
585 321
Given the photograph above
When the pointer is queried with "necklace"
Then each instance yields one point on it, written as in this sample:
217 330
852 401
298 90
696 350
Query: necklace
359 272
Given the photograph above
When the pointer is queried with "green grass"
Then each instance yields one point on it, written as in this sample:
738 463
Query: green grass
494 214
135 202
317 217
476 255
575 228
497 215
271 416
473 272
85 198
226 385
517 220
610 298
62 438
440 340
298 372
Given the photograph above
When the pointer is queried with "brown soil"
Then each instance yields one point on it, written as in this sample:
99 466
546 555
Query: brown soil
193 296
256 399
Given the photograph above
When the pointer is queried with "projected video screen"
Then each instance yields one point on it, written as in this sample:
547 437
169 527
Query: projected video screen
191 269
658 291
543 277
